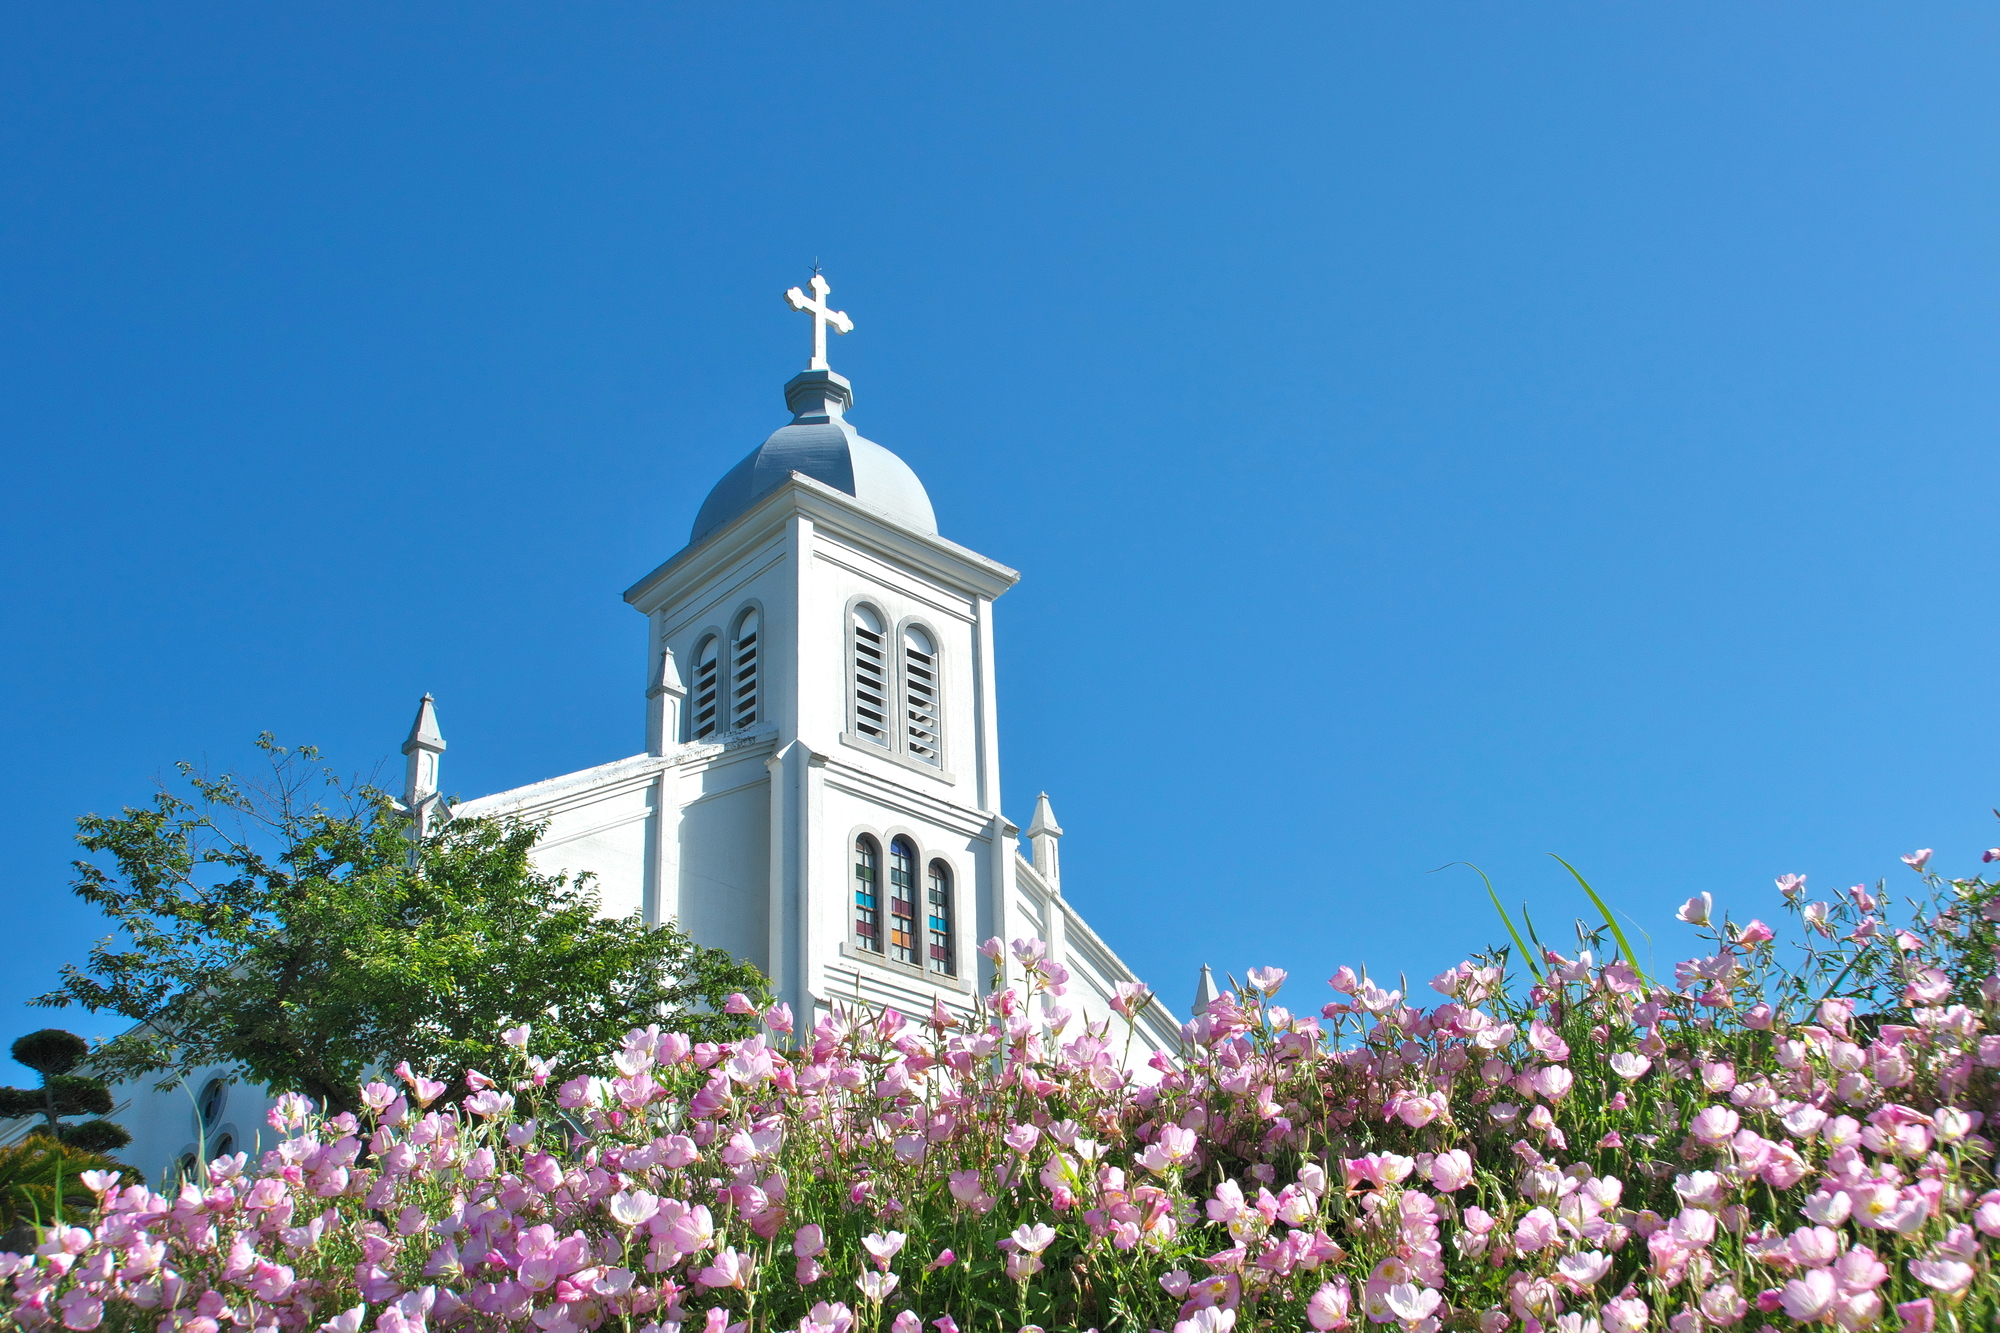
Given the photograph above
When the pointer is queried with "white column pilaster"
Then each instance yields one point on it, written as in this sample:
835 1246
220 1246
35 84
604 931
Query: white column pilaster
795 773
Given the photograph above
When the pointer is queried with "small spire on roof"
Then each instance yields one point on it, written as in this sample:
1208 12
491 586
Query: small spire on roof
1043 834
663 704
1205 992
1045 818
424 733
420 773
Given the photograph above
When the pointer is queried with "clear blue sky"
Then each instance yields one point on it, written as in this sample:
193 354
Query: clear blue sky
1427 432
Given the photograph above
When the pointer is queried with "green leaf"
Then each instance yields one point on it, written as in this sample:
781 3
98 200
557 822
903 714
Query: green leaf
1624 945
1533 961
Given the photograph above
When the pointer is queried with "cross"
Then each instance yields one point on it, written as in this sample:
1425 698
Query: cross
822 317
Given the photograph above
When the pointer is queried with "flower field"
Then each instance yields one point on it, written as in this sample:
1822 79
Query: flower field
1772 1134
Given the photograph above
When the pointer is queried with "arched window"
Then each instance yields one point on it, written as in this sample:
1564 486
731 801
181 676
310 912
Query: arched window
743 673
902 901
867 894
920 699
941 959
870 677
209 1106
707 677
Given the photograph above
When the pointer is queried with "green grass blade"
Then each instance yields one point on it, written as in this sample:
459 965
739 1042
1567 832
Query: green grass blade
1534 964
1624 945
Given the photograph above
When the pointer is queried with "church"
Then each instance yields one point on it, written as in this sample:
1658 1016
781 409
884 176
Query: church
819 791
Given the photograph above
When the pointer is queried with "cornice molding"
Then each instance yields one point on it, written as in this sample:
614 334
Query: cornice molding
839 512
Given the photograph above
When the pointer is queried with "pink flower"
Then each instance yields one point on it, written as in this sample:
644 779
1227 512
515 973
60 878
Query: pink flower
1947 1275
348 1321
1328 1307
1628 1065
1755 933
1132 996
517 1037
738 1003
1696 910
1990 854
1624 1314
808 1240
1548 1043
1579 1271
1553 1082
1410 1303
1917 1316
778 1017
1715 1124
1345 981
883 1248
1807 1297
1267 979
730 1269
1918 859
81 1310
1022 1138
875 1287
1451 1171
1536 1231
1791 885
1033 1237
1209 1319
1927 985
1859 1270
629 1208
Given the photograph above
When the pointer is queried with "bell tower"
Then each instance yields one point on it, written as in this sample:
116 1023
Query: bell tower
837 813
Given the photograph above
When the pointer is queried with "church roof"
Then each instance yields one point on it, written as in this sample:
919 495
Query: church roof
821 444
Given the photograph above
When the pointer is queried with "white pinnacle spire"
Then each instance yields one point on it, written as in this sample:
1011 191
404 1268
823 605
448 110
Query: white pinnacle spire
1205 992
420 774
1044 835
663 705
822 314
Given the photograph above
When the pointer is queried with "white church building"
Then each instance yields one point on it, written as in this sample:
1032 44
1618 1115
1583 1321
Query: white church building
819 791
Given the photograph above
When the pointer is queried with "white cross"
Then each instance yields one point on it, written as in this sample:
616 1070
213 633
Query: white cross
822 317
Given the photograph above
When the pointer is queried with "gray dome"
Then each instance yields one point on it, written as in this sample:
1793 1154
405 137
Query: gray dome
821 444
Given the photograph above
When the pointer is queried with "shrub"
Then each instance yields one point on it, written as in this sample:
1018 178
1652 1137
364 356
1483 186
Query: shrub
53 1053
1751 1142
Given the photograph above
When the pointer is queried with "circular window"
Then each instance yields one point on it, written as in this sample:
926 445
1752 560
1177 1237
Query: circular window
225 1144
209 1105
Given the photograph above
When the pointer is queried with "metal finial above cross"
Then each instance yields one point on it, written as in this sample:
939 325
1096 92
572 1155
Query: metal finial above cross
822 316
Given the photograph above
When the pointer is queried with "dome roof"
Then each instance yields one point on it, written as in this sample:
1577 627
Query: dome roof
821 444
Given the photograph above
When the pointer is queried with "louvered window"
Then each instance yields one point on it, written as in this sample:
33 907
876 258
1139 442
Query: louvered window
870 677
920 697
867 894
707 683
902 901
743 673
940 920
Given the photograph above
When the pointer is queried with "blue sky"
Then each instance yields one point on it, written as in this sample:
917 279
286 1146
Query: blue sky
1427 432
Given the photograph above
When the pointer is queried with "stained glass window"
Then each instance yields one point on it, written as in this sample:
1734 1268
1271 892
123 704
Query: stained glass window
867 894
902 901
940 920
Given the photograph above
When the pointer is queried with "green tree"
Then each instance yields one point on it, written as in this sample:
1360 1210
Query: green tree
41 1183
293 929
55 1054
